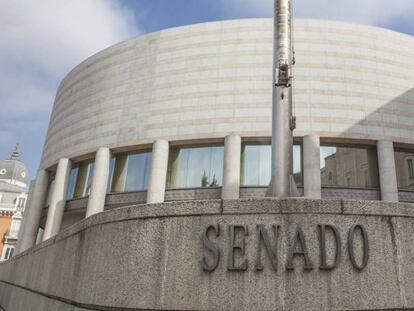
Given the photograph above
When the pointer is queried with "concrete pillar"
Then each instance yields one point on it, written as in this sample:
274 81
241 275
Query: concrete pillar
58 199
387 172
311 167
24 222
96 201
231 172
158 174
33 212
39 237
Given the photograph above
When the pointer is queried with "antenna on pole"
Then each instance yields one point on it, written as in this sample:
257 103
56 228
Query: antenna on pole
283 123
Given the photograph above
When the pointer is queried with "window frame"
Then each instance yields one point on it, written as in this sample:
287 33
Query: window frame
114 158
405 150
267 142
372 147
410 169
191 146
78 166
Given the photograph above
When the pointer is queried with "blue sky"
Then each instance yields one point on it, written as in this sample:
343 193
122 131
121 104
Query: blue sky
41 40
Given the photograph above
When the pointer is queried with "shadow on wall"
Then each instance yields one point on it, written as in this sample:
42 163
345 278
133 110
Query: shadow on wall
392 121
348 167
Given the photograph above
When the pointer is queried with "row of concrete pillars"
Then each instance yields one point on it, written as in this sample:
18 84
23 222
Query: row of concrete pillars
157 181
312 173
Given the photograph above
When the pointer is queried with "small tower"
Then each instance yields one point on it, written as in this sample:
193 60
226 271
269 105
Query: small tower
16 154
14 171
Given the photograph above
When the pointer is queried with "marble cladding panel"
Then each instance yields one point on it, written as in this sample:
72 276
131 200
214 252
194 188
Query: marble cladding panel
209 80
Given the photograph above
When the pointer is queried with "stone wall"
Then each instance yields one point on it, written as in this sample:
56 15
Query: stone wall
151 257
209 80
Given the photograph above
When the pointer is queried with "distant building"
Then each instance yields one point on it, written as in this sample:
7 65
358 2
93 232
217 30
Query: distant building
13 196
349 167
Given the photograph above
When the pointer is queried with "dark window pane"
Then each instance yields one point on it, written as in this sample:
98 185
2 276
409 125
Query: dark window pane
84 179
404 165
71 187
410 169
138 171
111 174
21 202
119 175
89 179
349 167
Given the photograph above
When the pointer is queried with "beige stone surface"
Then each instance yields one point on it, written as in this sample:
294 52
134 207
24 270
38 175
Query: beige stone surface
210 80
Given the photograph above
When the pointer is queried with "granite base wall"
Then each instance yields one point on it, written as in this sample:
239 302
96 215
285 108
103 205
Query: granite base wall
149 257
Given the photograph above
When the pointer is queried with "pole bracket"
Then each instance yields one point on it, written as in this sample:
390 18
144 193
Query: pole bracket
292 123
283 75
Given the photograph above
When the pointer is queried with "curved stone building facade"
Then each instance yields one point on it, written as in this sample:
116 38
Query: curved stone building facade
195 85
184 114
207 81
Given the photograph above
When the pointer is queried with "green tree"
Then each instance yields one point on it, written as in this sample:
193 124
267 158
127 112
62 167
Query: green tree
214 182
204 180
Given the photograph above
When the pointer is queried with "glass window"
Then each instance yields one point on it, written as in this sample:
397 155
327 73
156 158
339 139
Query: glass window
410 169
15 227
195 167
131 172
404 165
89 178
84 180
80 180
138 171
9 253
349 167
71 186
20 202
111 174
256 164
50 188
366 177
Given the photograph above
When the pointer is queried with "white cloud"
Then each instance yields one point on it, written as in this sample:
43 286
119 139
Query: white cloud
375 12
55 34
40 41
5 137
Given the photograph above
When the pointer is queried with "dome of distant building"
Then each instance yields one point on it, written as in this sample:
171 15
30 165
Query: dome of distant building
14 171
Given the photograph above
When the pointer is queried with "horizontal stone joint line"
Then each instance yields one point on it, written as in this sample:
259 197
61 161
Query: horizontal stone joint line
222 212
105 308
315 213
72 302
56 238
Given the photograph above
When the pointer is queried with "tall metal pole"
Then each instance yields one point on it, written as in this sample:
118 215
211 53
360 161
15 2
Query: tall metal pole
283 123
